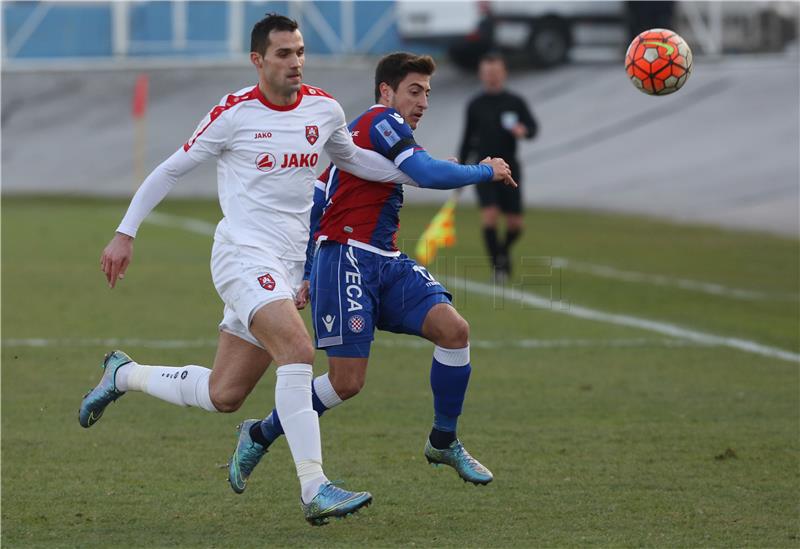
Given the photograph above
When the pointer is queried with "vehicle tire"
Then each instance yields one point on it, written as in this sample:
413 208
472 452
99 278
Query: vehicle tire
466 55
549 43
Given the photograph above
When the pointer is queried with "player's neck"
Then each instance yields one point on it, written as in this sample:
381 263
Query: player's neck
281 100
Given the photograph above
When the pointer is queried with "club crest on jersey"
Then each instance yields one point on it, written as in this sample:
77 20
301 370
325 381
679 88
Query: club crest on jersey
356 324
265 162
312 134
267 282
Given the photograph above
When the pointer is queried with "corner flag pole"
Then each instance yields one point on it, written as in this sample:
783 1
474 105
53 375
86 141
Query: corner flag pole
139 112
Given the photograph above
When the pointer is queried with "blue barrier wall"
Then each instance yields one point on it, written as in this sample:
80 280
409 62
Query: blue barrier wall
64 31
47 30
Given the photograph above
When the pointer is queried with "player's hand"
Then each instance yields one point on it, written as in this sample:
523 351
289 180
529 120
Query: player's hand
116 258
301 299
519 131
501 169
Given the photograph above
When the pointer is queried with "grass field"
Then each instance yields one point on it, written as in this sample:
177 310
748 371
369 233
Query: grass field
599 434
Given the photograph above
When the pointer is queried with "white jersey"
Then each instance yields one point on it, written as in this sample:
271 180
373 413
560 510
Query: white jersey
266 159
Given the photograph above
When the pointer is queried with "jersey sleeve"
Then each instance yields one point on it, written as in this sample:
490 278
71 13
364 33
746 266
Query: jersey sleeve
363 163
392 137
154 188
211 136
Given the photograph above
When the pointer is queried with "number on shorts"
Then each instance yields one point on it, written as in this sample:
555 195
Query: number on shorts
424 272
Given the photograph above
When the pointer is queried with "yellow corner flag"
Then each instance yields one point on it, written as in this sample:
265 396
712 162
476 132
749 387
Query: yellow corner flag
440 232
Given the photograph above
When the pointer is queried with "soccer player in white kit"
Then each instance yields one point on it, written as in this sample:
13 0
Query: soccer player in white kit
267 140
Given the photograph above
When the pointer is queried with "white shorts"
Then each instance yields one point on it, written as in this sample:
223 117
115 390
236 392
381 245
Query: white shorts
248 278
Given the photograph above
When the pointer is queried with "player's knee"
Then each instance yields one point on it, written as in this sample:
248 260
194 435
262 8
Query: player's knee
455 335
459 333
299 350
347 386
350 388
516 224
226 403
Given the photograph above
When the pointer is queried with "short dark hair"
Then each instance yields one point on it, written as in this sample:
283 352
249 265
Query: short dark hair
259 38
393 68
492 56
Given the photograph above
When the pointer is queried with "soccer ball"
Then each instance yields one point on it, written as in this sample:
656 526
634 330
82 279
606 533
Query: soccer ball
658 62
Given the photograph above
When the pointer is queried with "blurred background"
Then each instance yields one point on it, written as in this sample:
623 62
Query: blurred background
70 70
635 385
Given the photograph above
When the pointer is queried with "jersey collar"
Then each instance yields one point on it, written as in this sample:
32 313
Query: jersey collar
274 107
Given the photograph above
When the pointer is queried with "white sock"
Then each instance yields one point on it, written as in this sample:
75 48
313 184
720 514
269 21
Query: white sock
325 391
301 425
185 386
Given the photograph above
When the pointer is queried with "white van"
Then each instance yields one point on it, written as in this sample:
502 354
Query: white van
545 33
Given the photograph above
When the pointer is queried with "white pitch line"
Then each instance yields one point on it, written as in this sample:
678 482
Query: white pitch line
668 281
382 341
186 223
662 328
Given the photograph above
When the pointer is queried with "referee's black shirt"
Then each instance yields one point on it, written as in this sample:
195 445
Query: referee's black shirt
484 133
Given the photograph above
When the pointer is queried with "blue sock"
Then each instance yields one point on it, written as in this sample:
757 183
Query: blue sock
449 385
271 426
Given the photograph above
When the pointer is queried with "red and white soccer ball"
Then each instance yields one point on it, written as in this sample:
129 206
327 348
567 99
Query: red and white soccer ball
658 62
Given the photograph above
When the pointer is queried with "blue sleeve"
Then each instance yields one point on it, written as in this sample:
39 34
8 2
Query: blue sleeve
394 139
431 173
316 215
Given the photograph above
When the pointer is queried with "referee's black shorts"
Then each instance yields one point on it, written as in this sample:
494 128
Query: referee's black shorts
496 193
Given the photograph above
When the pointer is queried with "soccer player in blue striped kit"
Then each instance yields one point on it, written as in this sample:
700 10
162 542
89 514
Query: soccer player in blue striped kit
360 281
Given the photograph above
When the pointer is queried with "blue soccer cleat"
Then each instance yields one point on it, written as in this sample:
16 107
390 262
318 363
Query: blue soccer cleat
332 501
95 401
245 458
457 457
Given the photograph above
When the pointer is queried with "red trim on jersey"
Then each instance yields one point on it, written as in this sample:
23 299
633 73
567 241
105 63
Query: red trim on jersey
230 101
313 90
273 106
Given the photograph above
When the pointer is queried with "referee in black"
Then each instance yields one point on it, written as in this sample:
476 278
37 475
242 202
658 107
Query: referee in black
496 119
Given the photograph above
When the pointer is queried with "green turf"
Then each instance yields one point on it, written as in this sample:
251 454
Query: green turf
652 442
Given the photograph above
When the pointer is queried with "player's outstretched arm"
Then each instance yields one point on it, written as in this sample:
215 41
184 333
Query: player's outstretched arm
431 173
118 254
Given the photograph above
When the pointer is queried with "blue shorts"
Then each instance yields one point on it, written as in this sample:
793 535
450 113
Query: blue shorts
354 291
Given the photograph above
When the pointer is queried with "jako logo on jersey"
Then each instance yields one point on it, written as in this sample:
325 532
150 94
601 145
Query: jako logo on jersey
300 160
328 320
353 289
263 135
267 282
312 134
397 117
356 324
265 162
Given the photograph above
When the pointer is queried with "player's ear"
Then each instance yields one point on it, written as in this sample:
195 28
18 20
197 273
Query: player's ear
256 60
386 91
